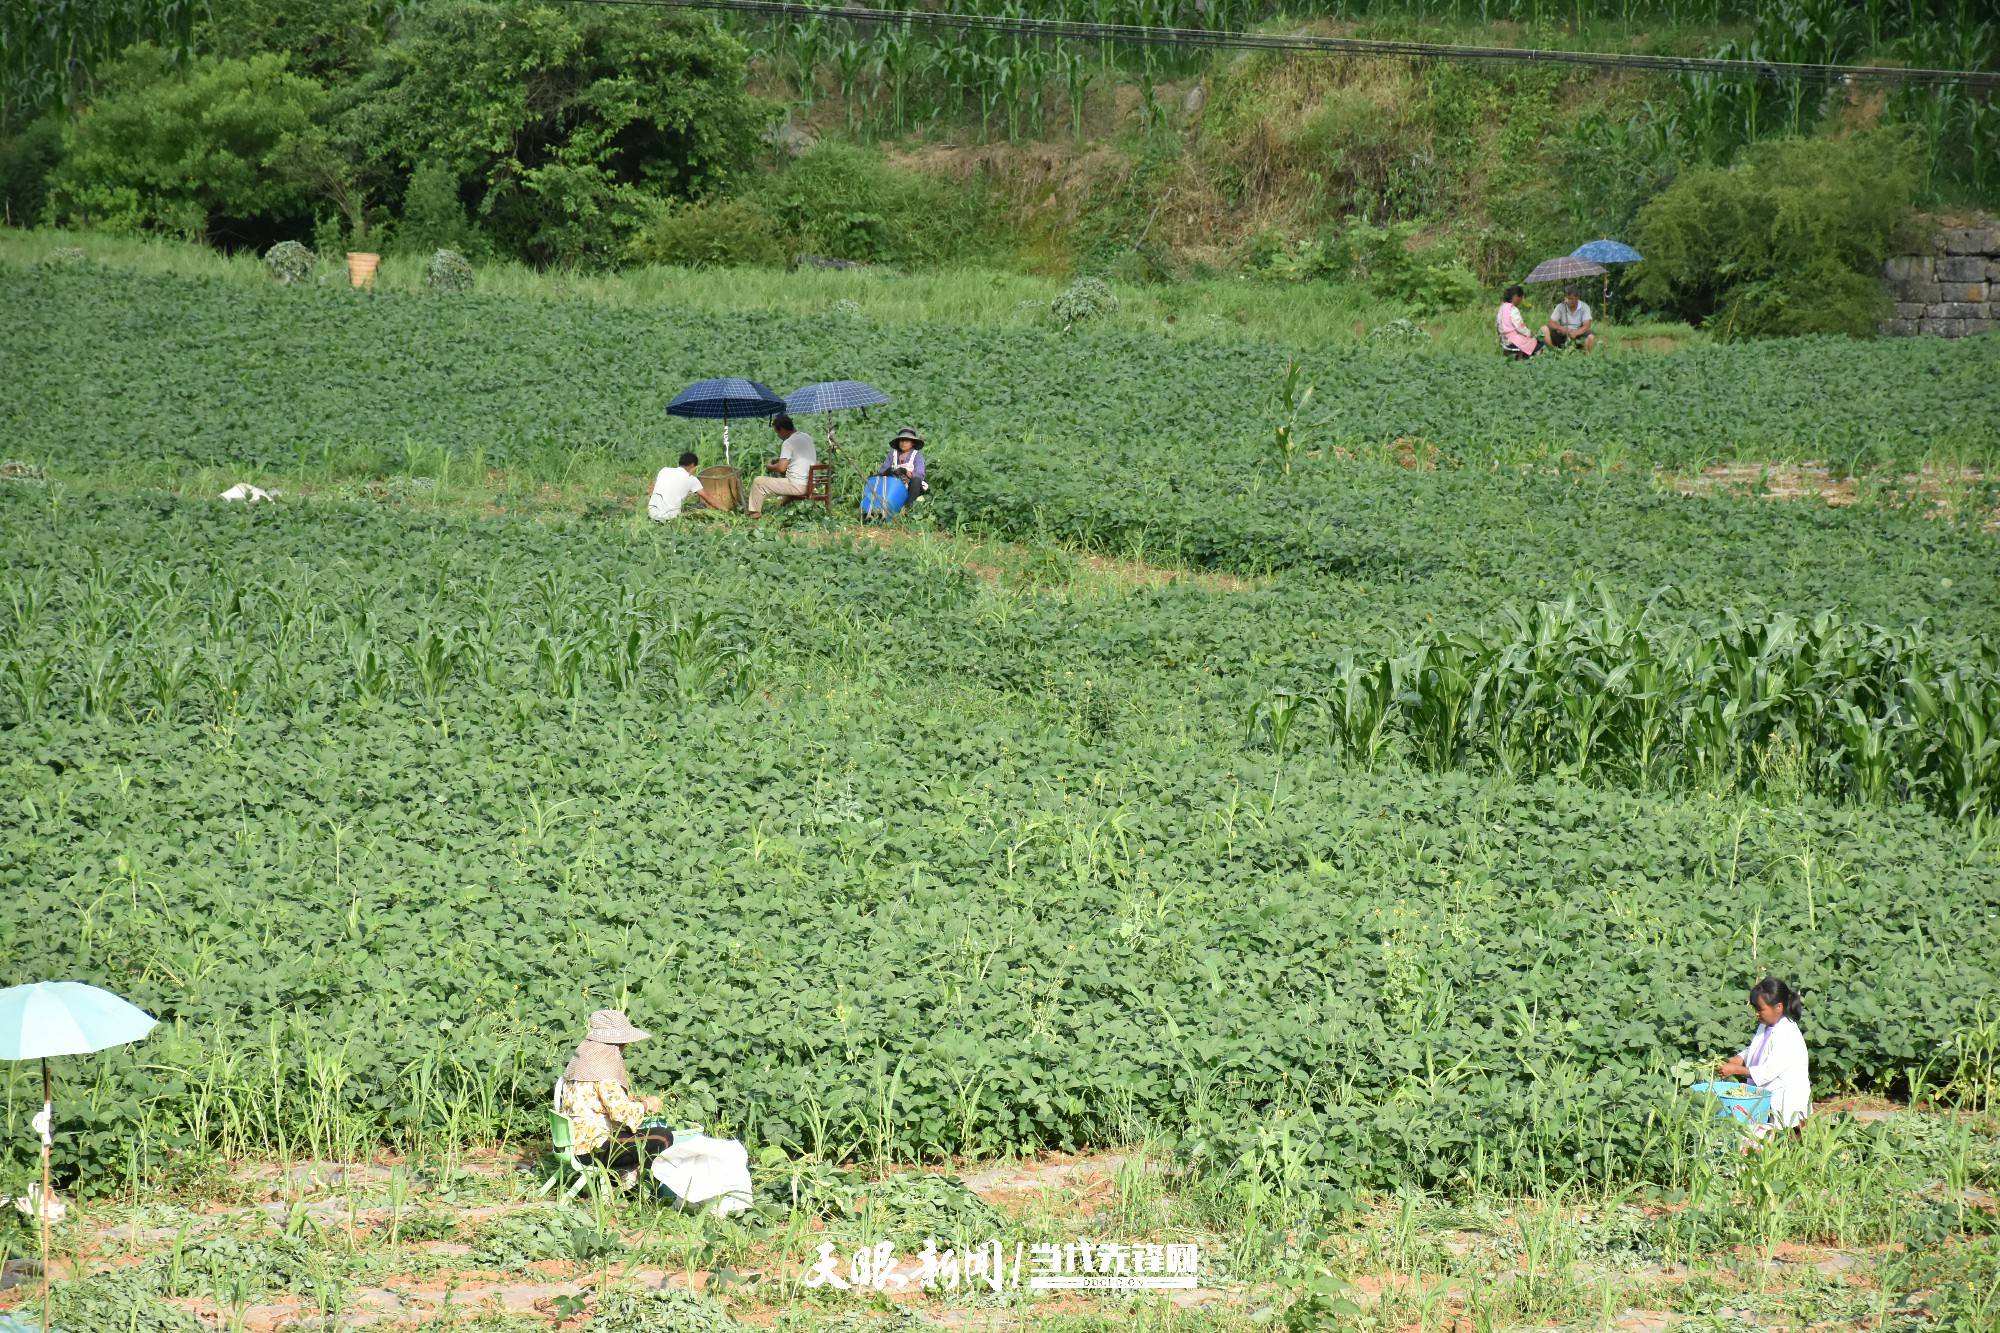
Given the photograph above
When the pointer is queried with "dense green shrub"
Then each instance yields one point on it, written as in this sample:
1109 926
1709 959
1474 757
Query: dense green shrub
288 262
714 233
433 214
1788 240
171 149
1391 260
26 162
448 271
846 202
1083 300
327 40
567 126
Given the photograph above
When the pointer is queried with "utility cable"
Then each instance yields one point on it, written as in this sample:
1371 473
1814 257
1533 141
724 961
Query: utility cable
1135 34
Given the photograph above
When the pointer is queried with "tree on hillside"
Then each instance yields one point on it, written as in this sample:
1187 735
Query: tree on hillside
191 150
567 127
1790 239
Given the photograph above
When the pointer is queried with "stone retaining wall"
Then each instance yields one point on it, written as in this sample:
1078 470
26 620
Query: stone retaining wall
1951 292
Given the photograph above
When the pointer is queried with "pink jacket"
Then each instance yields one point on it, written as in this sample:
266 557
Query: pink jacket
1513 331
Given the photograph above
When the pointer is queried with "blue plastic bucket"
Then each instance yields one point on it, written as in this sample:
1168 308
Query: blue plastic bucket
883 496
1741 1101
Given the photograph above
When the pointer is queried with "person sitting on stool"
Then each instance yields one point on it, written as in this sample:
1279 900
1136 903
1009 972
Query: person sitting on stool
606 1121
790 471
1515 340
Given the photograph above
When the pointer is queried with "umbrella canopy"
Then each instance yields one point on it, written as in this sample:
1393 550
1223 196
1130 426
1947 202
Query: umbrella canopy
1563 269
65 1018
833 396
48 1018
1607 252
723 399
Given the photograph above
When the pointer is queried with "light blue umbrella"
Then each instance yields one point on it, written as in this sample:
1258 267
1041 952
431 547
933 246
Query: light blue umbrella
1607 252
833 396
48 1018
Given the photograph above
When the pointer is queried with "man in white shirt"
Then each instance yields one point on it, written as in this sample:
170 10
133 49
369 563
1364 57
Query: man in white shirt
674 487
1569 323
789 471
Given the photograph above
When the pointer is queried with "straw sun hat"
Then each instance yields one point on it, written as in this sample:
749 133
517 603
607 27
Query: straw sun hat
613 1029
907 434
599 1058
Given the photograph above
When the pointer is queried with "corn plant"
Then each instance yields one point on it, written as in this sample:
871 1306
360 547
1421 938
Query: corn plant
1853 711
560 660
806 43
433 658
369 670
30 678
1292 400
168 676
1360 707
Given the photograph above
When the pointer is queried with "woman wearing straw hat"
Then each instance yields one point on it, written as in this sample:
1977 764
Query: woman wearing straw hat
906 460
606 1120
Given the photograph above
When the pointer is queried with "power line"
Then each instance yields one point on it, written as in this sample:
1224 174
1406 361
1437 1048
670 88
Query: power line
1134 34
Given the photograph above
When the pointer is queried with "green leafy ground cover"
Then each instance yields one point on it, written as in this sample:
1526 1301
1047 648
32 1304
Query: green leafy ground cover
278 379
371 804
372 794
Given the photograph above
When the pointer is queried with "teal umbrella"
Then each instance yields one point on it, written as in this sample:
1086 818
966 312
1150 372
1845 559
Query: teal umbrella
48 1018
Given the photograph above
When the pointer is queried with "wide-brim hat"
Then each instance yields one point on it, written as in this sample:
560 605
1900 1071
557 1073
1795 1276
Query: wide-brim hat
597 1062
613 1029
907 434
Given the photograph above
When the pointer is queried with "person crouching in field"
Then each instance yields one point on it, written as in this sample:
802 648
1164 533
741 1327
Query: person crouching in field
1515 340
674 487
1776 1057
605 1119
1569 324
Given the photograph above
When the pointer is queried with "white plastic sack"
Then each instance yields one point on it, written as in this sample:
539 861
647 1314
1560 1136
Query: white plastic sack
244 491
699 1170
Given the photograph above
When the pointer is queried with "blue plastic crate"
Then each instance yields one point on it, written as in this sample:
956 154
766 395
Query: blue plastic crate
1741 1101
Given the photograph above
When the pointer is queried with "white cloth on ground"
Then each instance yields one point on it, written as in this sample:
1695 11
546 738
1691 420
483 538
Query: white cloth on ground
698 1169
243 490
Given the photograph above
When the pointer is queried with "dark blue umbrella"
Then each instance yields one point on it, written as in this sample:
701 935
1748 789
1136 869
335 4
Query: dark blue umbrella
833 396
722 399
1607 252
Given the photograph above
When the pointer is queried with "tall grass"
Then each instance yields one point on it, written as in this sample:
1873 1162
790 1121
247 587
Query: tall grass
1209 309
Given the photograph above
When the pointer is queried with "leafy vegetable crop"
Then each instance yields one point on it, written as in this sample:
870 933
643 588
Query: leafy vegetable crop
276 378
372 807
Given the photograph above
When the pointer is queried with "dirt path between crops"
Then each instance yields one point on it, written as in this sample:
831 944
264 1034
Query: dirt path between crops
1938 492
432 1281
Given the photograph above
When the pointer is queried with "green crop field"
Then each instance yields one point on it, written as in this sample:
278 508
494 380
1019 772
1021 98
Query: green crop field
1356 836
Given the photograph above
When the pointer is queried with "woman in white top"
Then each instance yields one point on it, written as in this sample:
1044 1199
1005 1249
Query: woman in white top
1776 1057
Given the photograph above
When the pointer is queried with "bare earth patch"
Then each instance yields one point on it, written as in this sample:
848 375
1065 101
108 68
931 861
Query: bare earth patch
1940 492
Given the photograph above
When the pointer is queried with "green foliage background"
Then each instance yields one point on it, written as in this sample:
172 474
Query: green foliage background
1786 241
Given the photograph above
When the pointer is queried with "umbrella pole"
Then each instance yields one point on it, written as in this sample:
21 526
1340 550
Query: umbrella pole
48 1125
